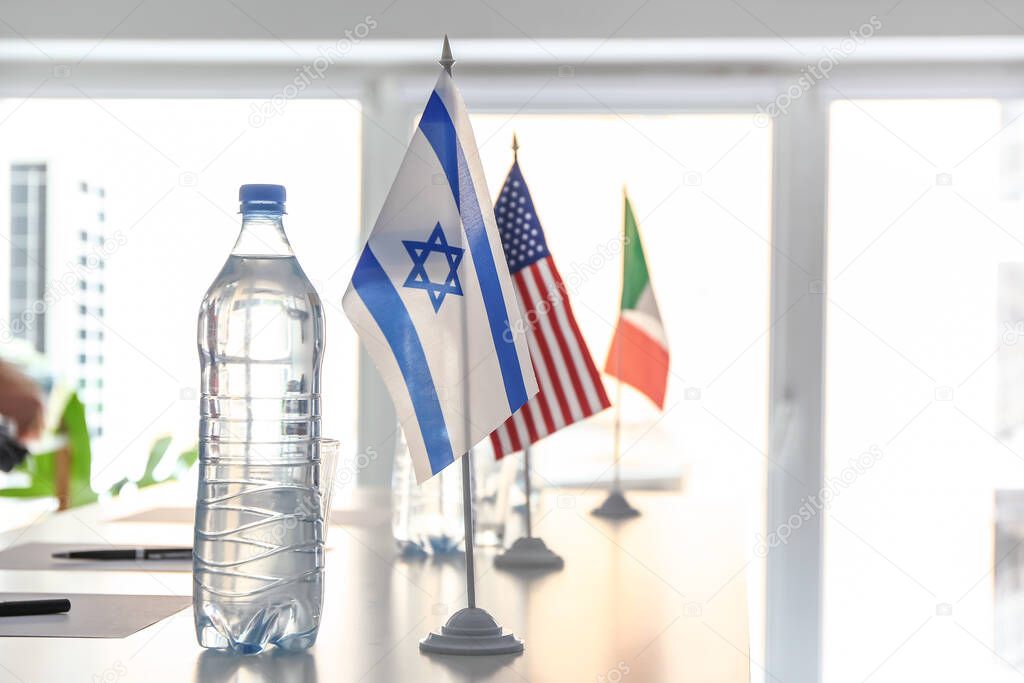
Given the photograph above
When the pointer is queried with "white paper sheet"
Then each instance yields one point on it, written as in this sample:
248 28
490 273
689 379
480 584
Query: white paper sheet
92 616
36 556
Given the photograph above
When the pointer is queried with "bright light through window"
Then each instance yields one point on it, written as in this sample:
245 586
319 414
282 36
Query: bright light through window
700 187
923 410
161 179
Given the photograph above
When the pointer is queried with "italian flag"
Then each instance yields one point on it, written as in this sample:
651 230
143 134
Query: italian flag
639 352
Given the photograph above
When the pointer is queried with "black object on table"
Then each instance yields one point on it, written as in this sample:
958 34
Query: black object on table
128 554
12 451
24 608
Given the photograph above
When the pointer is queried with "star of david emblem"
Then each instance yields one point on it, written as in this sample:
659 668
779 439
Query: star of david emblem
418 276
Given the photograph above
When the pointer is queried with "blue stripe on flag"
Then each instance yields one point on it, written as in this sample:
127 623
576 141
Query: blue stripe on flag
439 130
385 305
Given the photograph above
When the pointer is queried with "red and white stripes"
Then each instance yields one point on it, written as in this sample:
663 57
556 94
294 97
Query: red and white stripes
570 386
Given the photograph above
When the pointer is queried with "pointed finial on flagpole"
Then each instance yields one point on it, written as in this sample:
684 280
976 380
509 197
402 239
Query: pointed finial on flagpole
515 147
446 60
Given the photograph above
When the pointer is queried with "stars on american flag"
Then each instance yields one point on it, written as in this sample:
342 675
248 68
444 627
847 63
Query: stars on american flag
521 234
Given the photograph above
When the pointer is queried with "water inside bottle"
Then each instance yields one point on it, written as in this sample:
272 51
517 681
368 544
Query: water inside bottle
259 553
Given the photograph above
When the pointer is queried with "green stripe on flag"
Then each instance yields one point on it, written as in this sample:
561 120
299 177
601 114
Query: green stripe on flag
634 265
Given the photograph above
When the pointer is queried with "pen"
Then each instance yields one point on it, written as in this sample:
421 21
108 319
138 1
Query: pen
128 554
24 608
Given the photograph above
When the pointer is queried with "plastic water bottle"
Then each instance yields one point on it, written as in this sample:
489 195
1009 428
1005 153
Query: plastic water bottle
259 554
425 519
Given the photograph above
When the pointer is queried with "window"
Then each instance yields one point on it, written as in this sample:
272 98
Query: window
924 409
700 187
146 190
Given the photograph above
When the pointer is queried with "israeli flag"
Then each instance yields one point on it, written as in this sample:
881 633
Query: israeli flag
432 299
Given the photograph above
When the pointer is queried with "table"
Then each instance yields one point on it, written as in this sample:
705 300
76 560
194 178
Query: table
662 597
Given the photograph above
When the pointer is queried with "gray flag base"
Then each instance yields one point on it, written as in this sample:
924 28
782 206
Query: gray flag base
615 506
529 552
471 631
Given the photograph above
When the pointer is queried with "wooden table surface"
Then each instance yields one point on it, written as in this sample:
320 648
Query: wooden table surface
662 597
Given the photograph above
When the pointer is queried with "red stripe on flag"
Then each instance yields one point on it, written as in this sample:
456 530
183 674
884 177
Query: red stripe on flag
535 405
513 435
638 360
555 298
545 352
531 431
542 398
581 346
539 368
499 453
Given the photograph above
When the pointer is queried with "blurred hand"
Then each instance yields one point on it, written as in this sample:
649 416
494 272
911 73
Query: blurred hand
21 400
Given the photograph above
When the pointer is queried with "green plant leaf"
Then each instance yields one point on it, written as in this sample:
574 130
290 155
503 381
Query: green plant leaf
41 468
156 456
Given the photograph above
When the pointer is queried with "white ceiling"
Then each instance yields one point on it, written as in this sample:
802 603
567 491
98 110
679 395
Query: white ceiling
510 19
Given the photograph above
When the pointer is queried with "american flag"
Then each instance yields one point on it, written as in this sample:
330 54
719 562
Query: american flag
570 386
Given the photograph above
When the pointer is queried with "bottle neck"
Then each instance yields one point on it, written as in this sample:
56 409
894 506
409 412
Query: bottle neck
262 235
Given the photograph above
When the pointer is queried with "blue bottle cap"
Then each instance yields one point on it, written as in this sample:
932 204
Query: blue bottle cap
261 197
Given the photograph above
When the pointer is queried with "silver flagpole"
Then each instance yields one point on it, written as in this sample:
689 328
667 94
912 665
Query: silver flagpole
467 474
615 506
526 473
446 62
617 486
525 451
528 552
472 630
